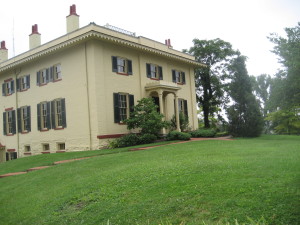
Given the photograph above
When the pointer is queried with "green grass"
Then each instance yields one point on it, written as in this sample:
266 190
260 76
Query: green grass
206 182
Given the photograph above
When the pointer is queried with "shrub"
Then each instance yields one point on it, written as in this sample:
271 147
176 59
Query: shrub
204 133
183 122
176 135
147 138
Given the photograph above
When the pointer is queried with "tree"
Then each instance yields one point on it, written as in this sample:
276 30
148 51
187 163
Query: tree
216 54
146 117
245 118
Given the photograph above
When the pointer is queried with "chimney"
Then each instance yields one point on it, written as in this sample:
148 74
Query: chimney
34 37
72 19
3 52
168 43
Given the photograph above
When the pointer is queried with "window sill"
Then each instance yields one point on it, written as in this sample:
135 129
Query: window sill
24 90
27 153
40 85
11 150
10 135
43 130
121 123
180 83
124 74
57 80
59 128
46 152
154 78
24 132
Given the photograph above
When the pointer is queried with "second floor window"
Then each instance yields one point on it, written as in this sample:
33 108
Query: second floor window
56 72
154 71
23 83
178 77
121 65
8 87
42 77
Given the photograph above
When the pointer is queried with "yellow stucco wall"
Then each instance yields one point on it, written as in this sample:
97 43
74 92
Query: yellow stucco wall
88 84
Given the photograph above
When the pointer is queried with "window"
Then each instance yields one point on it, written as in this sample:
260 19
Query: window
58 113
121 65
61 146
27 148
9 122
42 77
178 77
23 83
182 106
123 105
46 147
52 115
8 87
24 119
154 71
55 72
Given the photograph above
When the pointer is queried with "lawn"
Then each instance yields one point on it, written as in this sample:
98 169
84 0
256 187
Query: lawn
211 182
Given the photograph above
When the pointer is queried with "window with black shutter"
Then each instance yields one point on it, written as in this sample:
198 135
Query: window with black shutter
9 122
178 77
123 105
154 71
121 65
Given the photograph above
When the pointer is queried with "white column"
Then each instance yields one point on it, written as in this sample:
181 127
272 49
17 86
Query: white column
177 113
161 107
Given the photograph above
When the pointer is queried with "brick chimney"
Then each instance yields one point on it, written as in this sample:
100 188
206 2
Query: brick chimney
34 37
72 19
3 52
168 43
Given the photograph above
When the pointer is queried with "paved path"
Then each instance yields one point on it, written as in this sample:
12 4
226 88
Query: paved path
132 149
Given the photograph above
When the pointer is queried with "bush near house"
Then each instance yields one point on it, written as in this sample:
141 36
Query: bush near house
203 133
132 139
176 135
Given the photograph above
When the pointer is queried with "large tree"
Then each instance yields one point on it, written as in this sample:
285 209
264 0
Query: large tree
216 55
244 115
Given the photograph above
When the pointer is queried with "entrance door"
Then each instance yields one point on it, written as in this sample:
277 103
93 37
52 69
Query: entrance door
156 101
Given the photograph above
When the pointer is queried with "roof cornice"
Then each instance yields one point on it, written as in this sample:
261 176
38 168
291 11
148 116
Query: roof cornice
89 32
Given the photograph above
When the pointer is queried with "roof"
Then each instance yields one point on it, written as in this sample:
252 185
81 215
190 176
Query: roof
93 31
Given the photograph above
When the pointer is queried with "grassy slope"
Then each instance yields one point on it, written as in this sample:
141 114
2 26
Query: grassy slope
207 181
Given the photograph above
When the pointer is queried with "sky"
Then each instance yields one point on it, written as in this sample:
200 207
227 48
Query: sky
244 23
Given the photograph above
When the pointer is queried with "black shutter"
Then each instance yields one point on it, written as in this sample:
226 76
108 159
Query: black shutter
186 108
174 76
38 78
19 120
51 74
131 103
4 123
51 115
14 155
160 72
114 64
116 108
183 77
39 116
13 121
18 83
148 70
47 75
129 64
12 86
28 118
28 81
7 156
63 111
3 89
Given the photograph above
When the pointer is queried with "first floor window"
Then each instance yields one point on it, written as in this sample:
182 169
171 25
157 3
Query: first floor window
8 87
123 105
178 77
9 122
52 114
24 119
154 71
182 106
121 65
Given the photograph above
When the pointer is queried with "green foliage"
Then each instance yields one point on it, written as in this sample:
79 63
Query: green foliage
183 121
146 117
216 54
285 121
176 135
132 139
245 118
203 133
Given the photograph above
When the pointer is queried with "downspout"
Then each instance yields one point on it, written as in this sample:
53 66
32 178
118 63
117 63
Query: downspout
88 96
17 106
